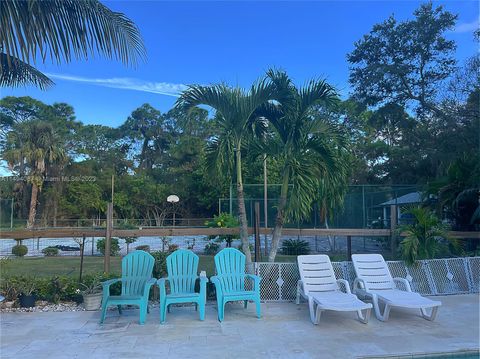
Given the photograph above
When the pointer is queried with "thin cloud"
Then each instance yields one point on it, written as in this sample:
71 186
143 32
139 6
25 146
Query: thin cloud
466 27
161 88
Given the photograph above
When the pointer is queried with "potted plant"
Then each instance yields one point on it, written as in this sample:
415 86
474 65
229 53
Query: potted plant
27 287
92 294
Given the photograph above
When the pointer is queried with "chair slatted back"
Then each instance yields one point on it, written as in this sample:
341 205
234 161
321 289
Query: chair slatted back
373 270
182 268
230 267
316 273
137 268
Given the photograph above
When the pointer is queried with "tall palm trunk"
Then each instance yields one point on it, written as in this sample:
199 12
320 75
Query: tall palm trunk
242 213
33 205
37 183
280 218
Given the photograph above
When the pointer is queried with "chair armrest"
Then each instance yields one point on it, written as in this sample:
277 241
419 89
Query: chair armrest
344 284
106 286
203 286
358 286
148 285
256 279
404 282
218 286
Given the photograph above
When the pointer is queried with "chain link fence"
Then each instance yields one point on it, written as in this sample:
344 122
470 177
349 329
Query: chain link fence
427 277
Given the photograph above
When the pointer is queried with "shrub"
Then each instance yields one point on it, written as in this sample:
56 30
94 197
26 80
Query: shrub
426 237
50 251
250 246
114 247
9 288
59 288
160 267
172 247
211 248
19 250
295 247
143 247
224 220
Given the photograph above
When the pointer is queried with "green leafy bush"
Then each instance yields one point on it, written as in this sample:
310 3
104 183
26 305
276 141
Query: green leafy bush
250 246
114 247
58 288
426 237
19 250
160 267
211 248
224 220
50 251
295 247
143 247
172 247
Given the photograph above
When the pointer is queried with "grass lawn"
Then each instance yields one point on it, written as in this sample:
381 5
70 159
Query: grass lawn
70 266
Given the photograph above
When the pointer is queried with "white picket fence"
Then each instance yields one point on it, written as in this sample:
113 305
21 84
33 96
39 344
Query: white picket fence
427 277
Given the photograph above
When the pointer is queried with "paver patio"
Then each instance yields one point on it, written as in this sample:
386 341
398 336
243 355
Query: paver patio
284 331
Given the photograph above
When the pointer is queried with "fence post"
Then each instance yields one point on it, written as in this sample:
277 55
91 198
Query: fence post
257 231
82 250
393 225
108 238
349 248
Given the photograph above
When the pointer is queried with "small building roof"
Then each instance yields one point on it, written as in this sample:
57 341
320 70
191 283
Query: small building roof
413 197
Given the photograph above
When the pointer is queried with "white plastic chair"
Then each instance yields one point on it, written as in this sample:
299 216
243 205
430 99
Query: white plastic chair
375 281
320 287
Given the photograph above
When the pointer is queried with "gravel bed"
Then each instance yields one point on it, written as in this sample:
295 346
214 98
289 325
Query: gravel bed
43 306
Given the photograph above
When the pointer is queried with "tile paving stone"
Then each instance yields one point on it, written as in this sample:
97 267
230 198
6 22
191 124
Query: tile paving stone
284 331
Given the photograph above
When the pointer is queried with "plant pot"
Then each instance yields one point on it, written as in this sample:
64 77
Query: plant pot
27 301
92 301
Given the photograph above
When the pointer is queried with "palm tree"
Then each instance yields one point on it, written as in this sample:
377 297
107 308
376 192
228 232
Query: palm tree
62 30
236 121
310 149
425 237
36 144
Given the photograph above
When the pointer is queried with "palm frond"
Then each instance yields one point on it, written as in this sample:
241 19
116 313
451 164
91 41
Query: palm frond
15 73
66 29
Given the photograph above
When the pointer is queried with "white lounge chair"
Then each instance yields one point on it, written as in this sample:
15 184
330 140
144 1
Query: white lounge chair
320 287
375 281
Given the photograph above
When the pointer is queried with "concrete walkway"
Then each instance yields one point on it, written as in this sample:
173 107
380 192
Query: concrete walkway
284 331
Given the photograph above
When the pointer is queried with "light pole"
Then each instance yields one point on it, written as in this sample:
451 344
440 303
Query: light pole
173 199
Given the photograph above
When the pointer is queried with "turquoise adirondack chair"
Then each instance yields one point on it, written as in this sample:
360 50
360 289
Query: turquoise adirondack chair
137 268
182 268
230 281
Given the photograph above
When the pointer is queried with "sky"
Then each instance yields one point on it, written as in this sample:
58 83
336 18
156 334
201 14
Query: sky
198 42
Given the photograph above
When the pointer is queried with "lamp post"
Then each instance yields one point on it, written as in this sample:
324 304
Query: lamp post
173 199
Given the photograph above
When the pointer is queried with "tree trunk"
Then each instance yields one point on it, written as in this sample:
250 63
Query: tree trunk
242 213
280 218
33 206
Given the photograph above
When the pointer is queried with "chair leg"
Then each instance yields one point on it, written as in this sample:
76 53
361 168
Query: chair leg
221 310
318 314
119 309
163 311
143 312
257 305
196 306
245 304
148 309
386 312
104 310
202 310
311 308
363 318
297 298
431 316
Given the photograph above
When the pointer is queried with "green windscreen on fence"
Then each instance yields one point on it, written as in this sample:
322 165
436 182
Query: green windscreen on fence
365 206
